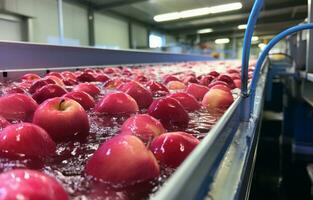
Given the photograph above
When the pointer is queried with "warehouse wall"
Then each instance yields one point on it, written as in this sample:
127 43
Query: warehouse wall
41 18
111 32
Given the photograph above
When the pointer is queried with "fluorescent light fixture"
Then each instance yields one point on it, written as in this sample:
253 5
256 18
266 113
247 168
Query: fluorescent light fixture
225 7
242 26
262 46
197 12
194 12
206 30
222 41
255 38
166 17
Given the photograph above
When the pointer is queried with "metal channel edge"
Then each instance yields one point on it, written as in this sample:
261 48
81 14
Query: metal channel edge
19 55
193 178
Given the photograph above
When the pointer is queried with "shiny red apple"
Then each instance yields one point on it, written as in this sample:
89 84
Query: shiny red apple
62 118
89 88
124 158
143 126
116 103
84 99
170 112
196 90
27 140
172 148
30 185
47 92
157 89
17 107
188 101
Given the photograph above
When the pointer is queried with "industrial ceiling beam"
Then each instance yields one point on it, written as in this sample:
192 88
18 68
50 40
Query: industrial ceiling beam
117 4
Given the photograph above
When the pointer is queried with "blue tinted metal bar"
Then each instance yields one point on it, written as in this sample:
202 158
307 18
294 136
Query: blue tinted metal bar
247 45
27 56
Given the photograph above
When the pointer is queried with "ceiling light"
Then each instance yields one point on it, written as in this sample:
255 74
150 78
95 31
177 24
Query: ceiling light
225 7
262 46
206 30
197 12
194 12
166 17
255 38
242 26
222 41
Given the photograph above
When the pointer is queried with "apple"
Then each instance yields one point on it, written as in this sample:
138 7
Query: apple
157 89
39 84
172 148
221 87
206 80
84 99
117 103
113 83
124 158
217 99
237 83
47 92
26 140
218 83
13 90
214 73
86 77
30 184
141 79
69 81
170 112
89 88
62 118
143 126
68 74
142 96
57 80
30 77
190 79
227 79
102 78
108 70
3 123
196 90
57 74
176 85
188 101
168 78
17 107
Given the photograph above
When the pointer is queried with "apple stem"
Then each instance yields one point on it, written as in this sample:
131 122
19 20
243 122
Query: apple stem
60 104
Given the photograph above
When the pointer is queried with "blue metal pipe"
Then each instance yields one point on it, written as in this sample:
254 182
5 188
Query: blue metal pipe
266 50
247 45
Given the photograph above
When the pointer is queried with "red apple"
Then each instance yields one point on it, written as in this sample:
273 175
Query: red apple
62 118
68 74
13 90
172 148
142 96
57 74
39 84
29 184
113 83
237 83
3 123
47 92
170 112
196 90
117 103
227 79
217 99
218 83
206 80
124 158
17 107
157 89
57 80
102 78
86 77
108 70
26 139
89 88
84 99
69 81
188 101
168 78
221 87
141 79
30 77
143 126
176 85
214 73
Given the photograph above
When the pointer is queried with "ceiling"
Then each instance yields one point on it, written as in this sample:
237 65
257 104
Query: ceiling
275 16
